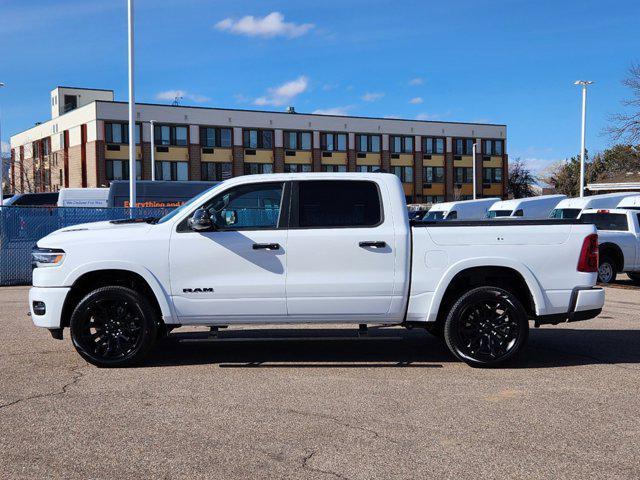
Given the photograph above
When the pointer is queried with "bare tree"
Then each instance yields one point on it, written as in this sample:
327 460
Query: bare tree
521 181
626 126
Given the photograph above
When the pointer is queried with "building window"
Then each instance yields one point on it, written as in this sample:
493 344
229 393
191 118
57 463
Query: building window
333 142
433 174
297 140
463 174
70 103
400 144
215 137
119 170
258 139
492 147
170 135
405 174
257 168
119 133
463 146
334 168
215 172
492 175
367 168
434 198
296 167
368 143
433 145
173 171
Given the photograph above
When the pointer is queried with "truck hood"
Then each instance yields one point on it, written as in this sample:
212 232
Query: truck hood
97 232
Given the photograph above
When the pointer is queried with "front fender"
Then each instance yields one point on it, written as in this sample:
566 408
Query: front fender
162 296
456 268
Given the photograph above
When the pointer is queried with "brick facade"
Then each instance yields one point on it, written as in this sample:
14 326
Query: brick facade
238 160
278 159
316 160
195 162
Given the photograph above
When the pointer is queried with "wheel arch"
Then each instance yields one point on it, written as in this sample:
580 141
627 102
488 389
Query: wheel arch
504 273
614 252
140 280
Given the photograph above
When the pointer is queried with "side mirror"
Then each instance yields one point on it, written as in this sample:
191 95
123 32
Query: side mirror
201 221
230 217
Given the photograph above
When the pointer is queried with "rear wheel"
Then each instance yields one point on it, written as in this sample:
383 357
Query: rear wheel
486 327
113 327
606 270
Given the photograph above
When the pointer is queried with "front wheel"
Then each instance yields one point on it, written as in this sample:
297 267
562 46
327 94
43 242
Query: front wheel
113 327
486 327
606 270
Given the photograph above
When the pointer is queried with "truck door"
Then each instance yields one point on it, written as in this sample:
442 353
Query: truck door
341 251
236 271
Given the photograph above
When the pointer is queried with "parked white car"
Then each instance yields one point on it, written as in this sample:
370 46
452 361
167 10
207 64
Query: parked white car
311 248
572 207
530 207
461 210
619 242
84 197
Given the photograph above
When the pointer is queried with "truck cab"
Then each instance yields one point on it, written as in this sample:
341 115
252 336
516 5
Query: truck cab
460 210
530 207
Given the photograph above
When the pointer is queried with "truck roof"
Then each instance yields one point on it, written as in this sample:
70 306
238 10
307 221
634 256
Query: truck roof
586 202
515 202
632 201
444 206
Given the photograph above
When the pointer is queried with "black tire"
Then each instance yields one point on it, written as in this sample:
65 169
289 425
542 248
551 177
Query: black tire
486 327
113 327
606 270
634 276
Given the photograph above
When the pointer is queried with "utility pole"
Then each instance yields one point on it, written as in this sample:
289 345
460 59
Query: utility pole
1 159
584 84
474 170
153 151
133 176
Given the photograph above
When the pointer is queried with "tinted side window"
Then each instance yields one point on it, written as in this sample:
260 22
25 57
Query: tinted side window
607 221
334 203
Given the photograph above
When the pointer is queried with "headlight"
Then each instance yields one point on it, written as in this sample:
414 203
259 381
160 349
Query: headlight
46 257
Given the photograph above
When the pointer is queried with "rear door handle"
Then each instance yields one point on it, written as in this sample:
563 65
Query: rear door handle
373 244
266 246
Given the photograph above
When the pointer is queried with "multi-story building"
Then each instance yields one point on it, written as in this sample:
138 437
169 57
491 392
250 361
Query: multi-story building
85 144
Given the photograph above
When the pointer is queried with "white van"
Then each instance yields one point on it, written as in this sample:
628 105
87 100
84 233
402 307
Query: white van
84 197
630 203
462 210
571 207
530 207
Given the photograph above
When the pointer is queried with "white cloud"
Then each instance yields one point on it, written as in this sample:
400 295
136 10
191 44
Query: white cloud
416 81
329 86
341 111
416 100
283 94
5 147
372 97
170 95
273 25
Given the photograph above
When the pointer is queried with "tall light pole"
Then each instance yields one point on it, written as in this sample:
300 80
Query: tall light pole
133 176
1 160
584 84
474 169
153 151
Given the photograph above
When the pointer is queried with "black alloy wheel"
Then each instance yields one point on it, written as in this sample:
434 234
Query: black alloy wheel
113 327
486 327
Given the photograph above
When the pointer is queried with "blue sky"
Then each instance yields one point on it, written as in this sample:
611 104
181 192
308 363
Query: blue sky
504 61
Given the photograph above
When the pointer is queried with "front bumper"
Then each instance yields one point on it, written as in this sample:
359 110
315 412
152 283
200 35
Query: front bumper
586 303
53 299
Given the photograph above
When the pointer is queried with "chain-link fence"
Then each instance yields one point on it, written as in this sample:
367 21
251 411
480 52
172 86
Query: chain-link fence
22 227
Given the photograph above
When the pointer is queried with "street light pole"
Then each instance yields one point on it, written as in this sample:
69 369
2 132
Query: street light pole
1 160
474 170
132 111
153 151
584 84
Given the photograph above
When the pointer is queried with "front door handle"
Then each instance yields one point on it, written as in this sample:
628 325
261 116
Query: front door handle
373 244
266 246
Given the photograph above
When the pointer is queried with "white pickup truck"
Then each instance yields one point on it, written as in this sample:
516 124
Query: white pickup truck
312 248
619 242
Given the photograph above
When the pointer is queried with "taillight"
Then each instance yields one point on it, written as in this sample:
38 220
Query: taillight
588 261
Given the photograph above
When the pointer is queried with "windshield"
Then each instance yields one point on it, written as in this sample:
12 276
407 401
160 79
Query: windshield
186 205
498 213
434 216
607 221
565 213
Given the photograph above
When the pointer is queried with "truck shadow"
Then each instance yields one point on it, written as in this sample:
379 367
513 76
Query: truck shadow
384 348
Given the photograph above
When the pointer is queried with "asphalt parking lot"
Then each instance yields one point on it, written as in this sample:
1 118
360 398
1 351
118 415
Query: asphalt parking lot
296 404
